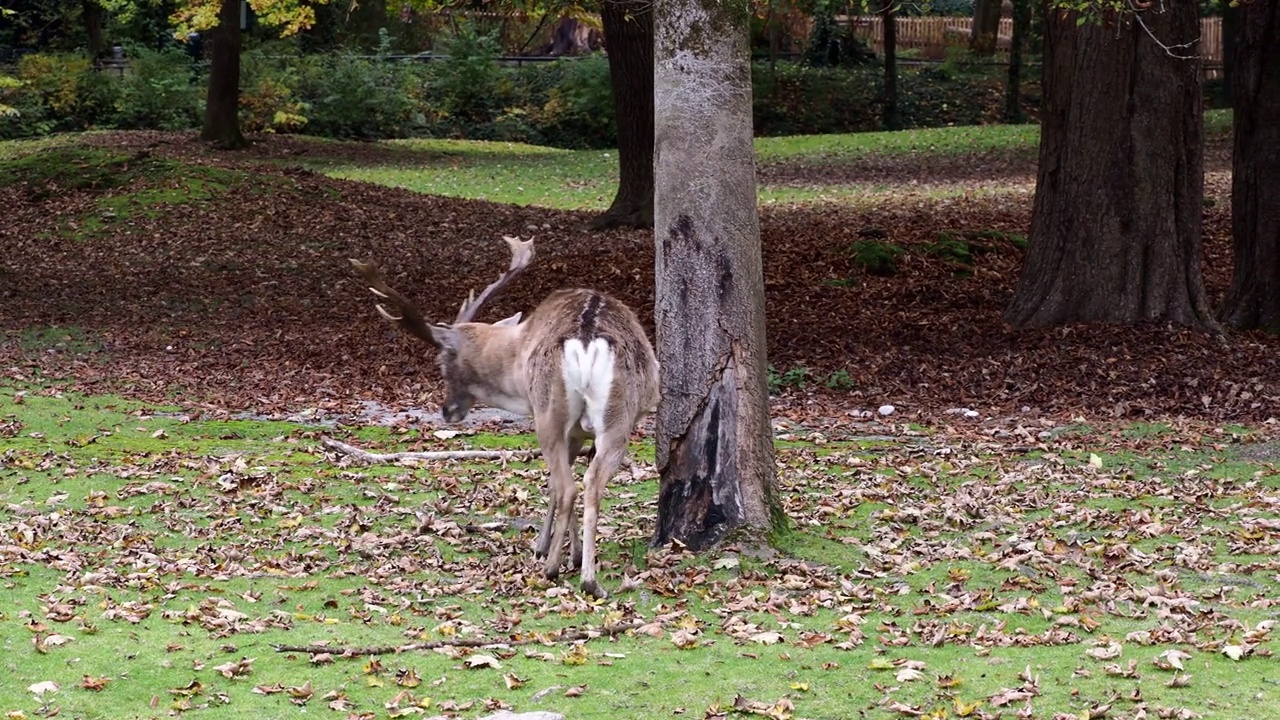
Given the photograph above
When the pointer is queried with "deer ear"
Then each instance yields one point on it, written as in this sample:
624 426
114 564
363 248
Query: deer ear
509 322
446 337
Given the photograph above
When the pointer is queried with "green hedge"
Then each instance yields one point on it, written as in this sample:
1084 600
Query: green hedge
469 95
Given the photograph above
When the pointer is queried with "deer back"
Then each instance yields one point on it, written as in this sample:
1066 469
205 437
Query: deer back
587 351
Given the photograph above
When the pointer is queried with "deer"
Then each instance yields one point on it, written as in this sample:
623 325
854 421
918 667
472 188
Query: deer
580 365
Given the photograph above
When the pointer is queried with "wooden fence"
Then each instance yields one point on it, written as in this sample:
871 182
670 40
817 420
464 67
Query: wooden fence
933 35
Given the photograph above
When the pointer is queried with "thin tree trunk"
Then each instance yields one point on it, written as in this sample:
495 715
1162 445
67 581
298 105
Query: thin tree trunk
1013 90
986 26
890 19
628 37
1115 230
714 446
1230 33
93 13
222 109
1253 300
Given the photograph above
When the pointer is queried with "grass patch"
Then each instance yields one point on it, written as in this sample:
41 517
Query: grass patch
128 186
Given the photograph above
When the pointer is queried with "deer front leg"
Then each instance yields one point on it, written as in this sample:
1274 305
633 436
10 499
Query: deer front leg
610 452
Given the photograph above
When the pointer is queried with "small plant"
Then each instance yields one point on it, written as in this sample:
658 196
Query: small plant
797 377
839 380
951 247
876 256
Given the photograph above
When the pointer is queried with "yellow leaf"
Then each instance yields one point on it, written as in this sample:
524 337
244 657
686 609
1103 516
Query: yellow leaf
801 686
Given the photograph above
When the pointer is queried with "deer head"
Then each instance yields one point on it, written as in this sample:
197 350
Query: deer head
466 348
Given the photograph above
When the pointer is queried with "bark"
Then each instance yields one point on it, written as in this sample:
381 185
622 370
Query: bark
1253 300
714 445
1230 32
1115 229
93 13
1013 90
628 37
985 28
222 109
890 18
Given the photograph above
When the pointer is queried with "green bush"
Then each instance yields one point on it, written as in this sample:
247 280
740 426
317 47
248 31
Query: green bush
159 90
577 111
470 88
349 96
53 92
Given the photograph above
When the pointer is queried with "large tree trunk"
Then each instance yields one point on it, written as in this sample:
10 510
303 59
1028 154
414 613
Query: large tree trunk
1013 90
889 16
1115 230
628 38
1253 300
714 443
222 109
985 28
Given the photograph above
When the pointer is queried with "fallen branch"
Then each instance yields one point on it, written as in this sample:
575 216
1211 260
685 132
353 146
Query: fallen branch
377 458
373 458
565 636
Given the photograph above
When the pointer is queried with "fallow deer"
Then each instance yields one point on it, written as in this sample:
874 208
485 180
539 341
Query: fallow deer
580 364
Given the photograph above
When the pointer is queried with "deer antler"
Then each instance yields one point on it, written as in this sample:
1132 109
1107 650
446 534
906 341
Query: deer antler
521 256
409 318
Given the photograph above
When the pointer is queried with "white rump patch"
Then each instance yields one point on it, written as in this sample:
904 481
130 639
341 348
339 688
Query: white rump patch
588 380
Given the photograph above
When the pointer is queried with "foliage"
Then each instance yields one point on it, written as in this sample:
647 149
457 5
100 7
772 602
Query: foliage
578 111
345 95
7 86
469 84
160 90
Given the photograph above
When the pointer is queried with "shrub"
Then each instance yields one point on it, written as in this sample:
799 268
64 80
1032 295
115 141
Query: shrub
345 95
578 108
469 86
160 90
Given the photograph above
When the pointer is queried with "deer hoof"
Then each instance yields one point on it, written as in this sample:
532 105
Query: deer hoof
551 572
592 588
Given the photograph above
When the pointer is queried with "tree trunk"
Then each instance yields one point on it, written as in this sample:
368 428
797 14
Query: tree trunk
714 443
890 18
93 13
1115 230
986 27
628 38
1230 33
1253 300
222 109
1013 90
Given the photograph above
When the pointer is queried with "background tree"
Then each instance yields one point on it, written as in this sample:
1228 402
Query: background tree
986 27
628 37
1017 42
1253 300
714 443
1115 229
221 19
889 17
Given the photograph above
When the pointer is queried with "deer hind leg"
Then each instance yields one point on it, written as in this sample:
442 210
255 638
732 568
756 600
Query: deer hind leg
611 448
554 441
543 545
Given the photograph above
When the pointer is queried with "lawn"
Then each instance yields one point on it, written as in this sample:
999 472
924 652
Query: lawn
154 561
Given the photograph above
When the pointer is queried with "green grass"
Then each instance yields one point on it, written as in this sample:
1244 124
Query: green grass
166 546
